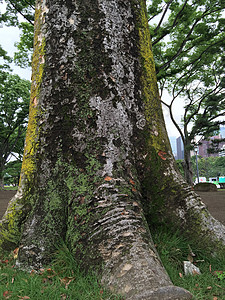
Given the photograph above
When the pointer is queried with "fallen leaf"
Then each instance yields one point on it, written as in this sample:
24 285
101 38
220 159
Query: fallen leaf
50 271
219 286
181 275
15 253
82 200
209 287
5 261
132 182
107 178
133 189
194 272
23 297
215 298
67 281
7 294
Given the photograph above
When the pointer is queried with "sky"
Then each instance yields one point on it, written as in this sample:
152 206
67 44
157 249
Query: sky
10 35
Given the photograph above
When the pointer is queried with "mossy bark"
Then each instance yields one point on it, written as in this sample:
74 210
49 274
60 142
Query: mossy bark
97 158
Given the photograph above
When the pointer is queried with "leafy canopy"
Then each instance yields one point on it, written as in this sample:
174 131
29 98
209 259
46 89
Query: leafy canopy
14 107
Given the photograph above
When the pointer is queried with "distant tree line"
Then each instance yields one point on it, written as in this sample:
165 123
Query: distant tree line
208 166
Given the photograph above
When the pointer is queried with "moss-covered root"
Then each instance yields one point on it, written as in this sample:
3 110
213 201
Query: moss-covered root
10 224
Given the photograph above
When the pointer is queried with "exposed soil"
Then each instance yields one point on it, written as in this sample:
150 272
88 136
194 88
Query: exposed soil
5 196
215 202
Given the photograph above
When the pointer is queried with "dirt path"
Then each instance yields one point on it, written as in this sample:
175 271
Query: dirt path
215 202
5 196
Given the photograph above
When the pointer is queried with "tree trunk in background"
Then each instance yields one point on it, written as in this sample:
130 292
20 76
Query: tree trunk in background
2 166
187 166
97 156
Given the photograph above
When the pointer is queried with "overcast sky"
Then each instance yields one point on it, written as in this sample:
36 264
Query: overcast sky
10 35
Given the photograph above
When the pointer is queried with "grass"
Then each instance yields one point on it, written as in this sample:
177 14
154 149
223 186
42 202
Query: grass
174 249
62 280
10 188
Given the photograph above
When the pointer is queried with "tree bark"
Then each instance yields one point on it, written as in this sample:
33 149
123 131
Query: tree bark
2 167
97 156
187 165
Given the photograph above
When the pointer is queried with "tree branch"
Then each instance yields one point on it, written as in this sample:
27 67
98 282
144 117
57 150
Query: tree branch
20 12
163 16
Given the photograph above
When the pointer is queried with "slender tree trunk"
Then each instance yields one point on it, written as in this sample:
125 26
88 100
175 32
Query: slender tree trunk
1 183
97 156
187 166
2 167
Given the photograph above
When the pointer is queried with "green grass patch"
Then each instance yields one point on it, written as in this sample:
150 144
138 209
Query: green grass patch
62 280
10 188
175 249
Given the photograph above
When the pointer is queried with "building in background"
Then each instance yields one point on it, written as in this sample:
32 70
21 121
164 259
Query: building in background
173 144
222 132
180 148
206 145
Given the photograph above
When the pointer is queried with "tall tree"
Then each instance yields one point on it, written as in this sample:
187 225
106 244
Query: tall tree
188 45
97 162
20 13
14 108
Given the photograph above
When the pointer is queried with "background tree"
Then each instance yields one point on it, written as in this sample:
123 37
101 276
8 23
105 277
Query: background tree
21 14
98 171
14 108
12 172
208 166
188 45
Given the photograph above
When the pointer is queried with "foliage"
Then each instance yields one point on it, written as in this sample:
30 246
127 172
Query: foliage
25 46
14 9
6 60
20 13
207 166
211 166
180 165
173 249
62 280
14 107
12 172
188 45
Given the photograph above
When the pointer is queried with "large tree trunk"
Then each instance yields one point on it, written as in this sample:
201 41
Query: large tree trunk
97 156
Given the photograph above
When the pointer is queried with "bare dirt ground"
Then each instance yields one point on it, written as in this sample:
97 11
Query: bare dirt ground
5 196
215 202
